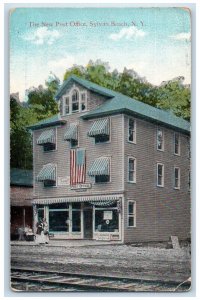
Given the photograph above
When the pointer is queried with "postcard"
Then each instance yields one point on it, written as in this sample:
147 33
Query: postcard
100 149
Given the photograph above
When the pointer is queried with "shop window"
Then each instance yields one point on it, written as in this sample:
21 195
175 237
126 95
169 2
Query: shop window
131 130
160 139
58 220
131 213
102 178
106 220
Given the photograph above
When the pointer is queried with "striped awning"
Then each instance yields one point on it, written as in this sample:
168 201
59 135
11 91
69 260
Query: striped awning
99 127
72 132
48 172
100 167
47 136
94 199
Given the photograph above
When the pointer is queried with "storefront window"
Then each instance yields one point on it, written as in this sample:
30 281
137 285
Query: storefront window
106 220
58 220
40 213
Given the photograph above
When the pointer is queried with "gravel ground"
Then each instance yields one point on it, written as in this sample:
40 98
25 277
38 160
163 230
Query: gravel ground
111 260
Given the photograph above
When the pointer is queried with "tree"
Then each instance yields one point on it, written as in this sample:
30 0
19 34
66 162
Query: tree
40 105
174 96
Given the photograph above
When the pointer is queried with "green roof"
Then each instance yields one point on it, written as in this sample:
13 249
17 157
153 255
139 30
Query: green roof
119 103
87 84
21 177
124 104
116 103
52 121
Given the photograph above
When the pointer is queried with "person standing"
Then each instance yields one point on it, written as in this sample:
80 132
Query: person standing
46 231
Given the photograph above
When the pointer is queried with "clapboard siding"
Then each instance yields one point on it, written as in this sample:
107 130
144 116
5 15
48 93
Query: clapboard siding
161 211
61 157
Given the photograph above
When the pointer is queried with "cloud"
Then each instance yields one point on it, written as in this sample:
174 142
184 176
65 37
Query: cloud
60 65
42 36
127 33
183 36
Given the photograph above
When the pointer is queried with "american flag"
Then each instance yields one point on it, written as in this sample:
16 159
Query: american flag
77 166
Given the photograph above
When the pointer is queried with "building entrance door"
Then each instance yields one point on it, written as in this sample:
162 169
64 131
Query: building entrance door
87 221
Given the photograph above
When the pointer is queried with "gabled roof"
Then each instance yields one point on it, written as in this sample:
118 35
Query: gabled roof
52 121
87 84
21 177
119 103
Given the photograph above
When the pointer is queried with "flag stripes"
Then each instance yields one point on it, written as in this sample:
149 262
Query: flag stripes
77 166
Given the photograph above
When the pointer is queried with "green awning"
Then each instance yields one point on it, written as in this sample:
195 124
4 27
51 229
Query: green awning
48 172
101 166
72 132
99 127
47 136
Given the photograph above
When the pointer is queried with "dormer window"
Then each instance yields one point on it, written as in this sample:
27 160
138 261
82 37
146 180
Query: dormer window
75 101
83 101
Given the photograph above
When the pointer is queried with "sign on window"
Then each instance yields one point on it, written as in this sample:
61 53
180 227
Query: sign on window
107 215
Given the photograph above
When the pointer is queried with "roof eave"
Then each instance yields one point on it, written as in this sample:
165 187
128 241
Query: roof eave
40 126
130 112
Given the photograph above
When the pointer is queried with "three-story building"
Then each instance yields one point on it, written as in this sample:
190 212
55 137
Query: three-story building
110 167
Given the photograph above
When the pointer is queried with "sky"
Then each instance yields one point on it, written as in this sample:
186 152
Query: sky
155 42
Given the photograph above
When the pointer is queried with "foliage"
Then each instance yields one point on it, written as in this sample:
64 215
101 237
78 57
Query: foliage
172 95
40 105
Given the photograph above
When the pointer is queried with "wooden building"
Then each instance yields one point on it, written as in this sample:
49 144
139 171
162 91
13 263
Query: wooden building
109 167
21 196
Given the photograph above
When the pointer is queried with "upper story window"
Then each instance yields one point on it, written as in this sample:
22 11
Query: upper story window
160 139
47 175
131 213
100 130
71 134
131 130
177 178
100 170
47 139
160 175
176 143
75 101
66 106
83 101
131 169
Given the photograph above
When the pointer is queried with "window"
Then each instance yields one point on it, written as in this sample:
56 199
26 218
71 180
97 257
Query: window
75 101
102 178
106 219
131 213
132 169
49 147
131 130
74 143
160 175
176 178
83 101
49 183
160 139
176 144
101 139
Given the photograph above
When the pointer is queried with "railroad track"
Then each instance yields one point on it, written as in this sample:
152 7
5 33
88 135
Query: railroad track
42 280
